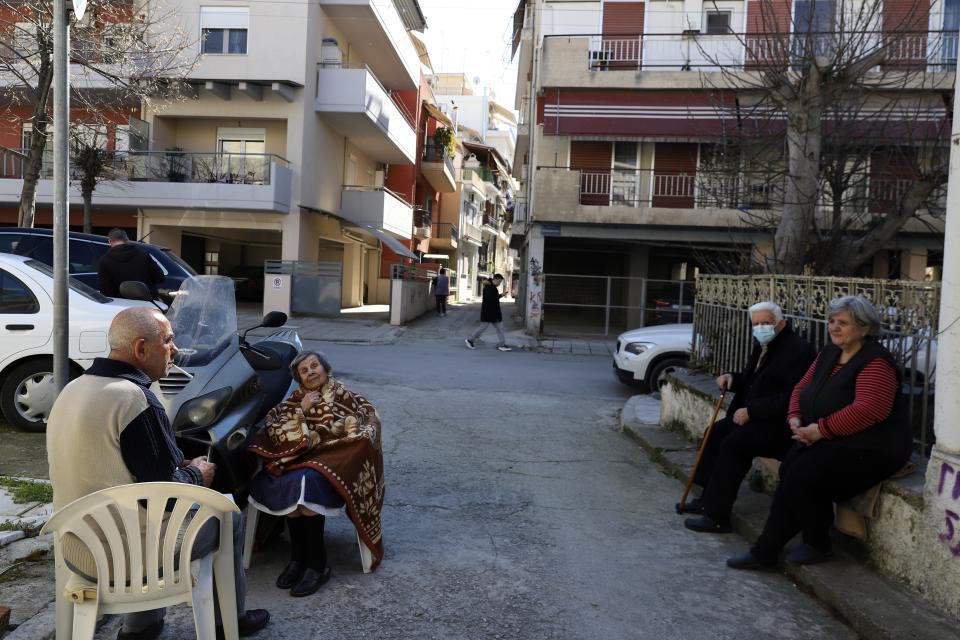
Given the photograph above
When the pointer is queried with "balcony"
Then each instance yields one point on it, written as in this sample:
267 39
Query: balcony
472 234
353 102
599 61
437 167
379 208
445 236
375 32
170 179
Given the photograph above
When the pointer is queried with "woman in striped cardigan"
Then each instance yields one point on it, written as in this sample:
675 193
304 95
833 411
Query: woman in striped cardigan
850 432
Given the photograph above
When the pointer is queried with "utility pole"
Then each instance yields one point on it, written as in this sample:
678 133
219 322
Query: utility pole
61 181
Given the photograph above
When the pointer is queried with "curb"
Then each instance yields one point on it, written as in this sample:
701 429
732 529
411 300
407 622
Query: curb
873 606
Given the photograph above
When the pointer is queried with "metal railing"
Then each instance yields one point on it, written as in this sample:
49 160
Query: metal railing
909 311
446 230
408 272
483 173
163 166
744 190
612 304
685 51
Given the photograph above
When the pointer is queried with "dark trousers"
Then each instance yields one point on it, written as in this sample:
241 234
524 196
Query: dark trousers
441 304
727 459
811 480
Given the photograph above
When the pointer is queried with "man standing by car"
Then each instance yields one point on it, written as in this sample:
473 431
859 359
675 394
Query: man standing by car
124 262
107 428
756 421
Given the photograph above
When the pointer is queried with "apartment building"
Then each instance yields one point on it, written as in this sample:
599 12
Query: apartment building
629 114
478 112
301 143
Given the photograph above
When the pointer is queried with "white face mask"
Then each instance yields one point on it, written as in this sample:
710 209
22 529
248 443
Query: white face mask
764 333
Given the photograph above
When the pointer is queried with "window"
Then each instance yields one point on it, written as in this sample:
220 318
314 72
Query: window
223 30
15 297
85 256
718 22
24 39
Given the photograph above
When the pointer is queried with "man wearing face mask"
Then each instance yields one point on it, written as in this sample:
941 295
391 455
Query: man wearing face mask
756 421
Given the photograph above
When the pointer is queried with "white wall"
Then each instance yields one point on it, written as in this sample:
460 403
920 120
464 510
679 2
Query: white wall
571 18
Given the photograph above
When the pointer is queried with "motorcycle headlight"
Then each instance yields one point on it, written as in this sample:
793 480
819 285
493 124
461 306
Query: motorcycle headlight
636 348
204 410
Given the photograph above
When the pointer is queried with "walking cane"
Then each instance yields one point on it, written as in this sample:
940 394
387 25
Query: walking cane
703 445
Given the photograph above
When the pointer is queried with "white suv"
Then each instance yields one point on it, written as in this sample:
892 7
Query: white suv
645 356
26 336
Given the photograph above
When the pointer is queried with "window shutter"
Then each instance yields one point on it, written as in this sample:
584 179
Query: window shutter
674 175
593 160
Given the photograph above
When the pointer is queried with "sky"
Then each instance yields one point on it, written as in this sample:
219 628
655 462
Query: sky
473 37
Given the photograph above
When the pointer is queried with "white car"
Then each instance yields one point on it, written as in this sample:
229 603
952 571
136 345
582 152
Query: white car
27 391
645 356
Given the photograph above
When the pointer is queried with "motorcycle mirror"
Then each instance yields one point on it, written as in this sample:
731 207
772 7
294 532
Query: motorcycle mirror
274 319
135 290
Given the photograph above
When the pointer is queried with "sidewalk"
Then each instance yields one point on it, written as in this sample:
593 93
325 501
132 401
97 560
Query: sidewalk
371 325
873 606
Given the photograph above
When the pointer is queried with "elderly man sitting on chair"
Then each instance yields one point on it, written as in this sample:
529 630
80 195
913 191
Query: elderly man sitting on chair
107 428
756 421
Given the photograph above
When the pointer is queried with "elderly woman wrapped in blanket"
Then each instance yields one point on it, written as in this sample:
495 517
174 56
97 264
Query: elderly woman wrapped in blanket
322 453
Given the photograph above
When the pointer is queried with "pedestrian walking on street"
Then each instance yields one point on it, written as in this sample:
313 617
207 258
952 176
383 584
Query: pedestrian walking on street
126 262
490 314
441 289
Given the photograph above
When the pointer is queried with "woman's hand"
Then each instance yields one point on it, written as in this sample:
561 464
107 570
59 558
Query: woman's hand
310 398
808 434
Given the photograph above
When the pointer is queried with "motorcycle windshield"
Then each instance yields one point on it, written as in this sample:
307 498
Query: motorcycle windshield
204 319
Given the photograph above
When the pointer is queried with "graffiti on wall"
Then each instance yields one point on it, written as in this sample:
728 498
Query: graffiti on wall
535 289
951 534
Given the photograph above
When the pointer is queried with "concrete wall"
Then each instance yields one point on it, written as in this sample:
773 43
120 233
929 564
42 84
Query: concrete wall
409 299
903 541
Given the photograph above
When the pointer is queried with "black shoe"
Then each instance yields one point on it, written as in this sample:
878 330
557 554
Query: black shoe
249 623
747 562
695 507
312 580
291 575
806 554
150 633
706 524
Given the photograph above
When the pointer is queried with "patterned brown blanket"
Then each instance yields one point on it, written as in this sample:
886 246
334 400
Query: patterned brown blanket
340 438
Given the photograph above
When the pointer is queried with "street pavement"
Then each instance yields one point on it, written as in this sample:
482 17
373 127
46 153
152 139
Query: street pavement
516 509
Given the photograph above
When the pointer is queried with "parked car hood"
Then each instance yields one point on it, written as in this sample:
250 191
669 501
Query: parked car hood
660 332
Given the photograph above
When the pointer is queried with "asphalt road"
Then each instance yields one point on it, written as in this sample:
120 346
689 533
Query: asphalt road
515 509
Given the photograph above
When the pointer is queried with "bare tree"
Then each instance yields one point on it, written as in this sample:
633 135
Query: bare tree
124 52
837 100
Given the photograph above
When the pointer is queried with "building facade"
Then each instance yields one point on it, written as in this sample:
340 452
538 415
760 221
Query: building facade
643 156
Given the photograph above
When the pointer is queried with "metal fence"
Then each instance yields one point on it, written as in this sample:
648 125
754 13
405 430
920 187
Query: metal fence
602 305
909 310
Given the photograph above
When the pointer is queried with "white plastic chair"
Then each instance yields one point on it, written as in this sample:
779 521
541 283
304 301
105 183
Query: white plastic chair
253 515
134 542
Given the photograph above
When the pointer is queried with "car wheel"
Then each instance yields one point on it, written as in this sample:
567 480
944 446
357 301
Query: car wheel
658 374
27 395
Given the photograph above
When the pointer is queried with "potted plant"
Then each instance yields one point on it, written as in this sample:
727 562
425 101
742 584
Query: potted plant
176 165
445 140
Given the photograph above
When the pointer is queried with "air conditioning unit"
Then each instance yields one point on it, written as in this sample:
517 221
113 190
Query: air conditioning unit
378 177
330 54
421 232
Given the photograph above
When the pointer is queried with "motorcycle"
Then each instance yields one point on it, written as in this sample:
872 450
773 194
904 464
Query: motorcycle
222 385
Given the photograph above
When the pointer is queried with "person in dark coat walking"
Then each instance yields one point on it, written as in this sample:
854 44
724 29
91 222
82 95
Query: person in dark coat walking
490 314
126 262
756 421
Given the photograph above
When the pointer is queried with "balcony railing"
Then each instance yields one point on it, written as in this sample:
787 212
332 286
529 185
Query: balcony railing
934 50
431 153
743 190
343 64
483 173
162 166
444 230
